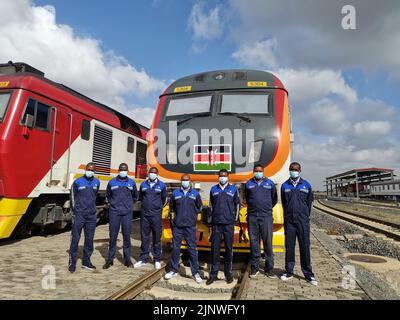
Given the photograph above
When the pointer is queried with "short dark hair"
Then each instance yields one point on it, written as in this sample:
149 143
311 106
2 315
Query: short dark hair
295 163
153 168
223 170
258 165
123 164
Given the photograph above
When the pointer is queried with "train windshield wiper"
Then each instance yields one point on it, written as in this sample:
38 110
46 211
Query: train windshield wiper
244 118
191 117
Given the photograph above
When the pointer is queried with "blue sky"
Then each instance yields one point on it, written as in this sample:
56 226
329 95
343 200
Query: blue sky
154 35
343 84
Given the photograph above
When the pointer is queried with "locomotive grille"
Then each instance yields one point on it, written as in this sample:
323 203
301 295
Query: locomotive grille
102 145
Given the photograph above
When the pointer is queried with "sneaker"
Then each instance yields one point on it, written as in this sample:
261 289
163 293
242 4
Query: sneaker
170 275
286 277
253 274
139 264
229 279
312 281
270 274
128 264
198 278
157 265
71 268
88 266
108 264
210 281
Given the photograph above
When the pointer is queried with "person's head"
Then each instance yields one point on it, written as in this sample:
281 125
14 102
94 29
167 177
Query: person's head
294 170
258 171
223 176
185 181
123 170
90 169
153 173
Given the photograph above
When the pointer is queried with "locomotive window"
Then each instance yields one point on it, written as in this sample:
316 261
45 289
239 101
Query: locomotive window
4 99
131 145
42 116
85 131
190 105
30 109
40 112
245 103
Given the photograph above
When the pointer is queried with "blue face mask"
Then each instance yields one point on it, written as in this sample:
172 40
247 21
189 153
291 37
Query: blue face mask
89 174
123 174
223 180
185 184
294 174
152 176
258 175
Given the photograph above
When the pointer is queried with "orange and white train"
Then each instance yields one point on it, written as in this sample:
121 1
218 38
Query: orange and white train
199 128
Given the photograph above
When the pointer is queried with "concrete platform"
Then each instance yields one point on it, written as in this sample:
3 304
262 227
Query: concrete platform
334 283
27 268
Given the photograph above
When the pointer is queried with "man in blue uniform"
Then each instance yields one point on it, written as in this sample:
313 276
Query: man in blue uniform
185 204
153 196
261 196
225 204
121 194
83 203
297 198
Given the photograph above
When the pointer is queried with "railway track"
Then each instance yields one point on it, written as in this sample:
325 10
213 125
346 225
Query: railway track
137 287
153 286
390 230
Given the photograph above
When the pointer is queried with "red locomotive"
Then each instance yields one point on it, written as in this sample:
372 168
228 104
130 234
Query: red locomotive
48 132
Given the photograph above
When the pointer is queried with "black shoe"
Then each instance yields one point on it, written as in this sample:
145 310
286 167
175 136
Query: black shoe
209 281
88 266
229 279
108 264
270 274
128 264
253 274
71 268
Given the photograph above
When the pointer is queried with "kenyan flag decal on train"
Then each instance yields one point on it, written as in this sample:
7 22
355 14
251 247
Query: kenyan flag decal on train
212 157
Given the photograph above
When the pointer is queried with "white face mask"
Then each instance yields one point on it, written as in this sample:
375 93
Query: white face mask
89 174
152 176
223 180
294 174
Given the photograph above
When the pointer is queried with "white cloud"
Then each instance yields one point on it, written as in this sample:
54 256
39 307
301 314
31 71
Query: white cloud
372 129
261 54
205 26
31 34
307 85
324 159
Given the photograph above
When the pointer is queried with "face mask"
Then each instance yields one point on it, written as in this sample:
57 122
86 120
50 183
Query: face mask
123 174
185 184
223 180
294 174
89 174
152 176
258 175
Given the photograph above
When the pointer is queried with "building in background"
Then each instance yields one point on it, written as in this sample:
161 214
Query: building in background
357 182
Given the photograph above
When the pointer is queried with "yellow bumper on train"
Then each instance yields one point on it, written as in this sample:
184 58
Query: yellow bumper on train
11 211
241 241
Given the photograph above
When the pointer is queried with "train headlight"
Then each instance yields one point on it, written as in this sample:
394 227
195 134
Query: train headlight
172 157
255 151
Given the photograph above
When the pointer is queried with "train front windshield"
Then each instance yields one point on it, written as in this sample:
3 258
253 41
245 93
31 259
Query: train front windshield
189 105
245 104
237 103
4 100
